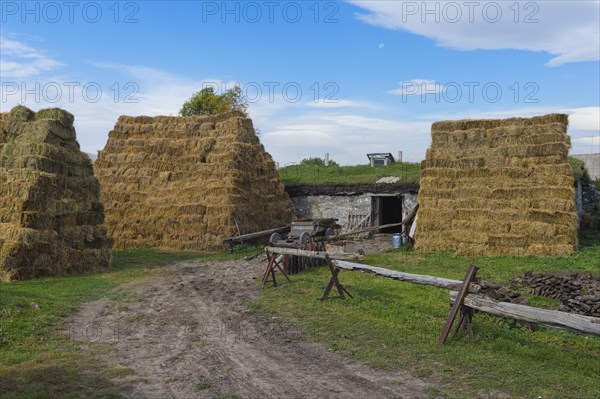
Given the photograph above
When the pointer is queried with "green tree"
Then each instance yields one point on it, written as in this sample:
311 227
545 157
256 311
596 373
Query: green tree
317 162
207 102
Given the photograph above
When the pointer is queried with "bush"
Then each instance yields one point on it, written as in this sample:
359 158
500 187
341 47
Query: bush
317 162
579 169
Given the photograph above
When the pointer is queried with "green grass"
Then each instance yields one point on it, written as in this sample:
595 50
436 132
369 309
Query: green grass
360 174
202 384
295 175
393 325
37 358
579 169
388 324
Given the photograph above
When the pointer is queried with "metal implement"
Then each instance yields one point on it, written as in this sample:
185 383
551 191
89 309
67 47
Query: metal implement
301 236
313 228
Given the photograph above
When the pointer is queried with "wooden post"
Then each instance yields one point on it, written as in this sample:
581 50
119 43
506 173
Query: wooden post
334 281
458 303
466 321
274 262
271 259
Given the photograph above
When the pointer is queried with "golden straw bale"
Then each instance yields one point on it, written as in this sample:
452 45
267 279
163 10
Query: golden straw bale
185 183
50 214
498 186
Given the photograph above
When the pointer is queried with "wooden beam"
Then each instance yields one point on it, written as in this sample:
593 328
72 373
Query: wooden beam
545 317
458 303
313 254
401 276
258 234
411 215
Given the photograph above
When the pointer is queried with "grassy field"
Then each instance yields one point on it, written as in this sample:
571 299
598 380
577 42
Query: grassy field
388 325
37 358
294 175
358 174
395 326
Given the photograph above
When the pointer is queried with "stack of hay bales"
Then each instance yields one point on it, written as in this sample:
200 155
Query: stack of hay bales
498 187
186 183
50 214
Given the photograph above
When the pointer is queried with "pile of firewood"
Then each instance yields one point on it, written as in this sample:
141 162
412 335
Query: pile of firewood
579 293
499 293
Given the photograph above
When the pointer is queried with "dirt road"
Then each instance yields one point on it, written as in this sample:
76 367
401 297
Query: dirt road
165 336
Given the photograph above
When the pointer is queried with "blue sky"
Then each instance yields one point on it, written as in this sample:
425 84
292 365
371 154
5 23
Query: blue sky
346 77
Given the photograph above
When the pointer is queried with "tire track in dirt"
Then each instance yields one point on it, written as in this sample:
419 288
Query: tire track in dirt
195 324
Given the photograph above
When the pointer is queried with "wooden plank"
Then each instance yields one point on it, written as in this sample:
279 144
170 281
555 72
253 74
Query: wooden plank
401 276
375 228
361 224
411 215
545 317
413 227
334 281
340 261
258 234
313 254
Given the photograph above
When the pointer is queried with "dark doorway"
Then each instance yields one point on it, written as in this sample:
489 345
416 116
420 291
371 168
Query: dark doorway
388 210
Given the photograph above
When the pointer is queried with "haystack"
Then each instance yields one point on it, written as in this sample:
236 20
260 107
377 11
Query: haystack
50 214
498 187
186 183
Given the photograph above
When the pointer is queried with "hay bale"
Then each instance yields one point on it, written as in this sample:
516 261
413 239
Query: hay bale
498 186
182 183
51 219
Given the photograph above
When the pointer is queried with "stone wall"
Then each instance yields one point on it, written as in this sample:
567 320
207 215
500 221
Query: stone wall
326 206
340 206
587 198
409 201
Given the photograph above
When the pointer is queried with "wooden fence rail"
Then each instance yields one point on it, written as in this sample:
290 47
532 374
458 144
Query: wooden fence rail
548 318
545 317
401 276
258 234
312 254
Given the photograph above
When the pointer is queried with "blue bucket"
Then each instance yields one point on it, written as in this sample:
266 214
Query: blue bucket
396 241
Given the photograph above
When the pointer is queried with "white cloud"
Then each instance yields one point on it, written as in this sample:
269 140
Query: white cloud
151 92
417 87
381 45
338 104
348 129
21 61
592 141
569 30
290 130
346 137
584 118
